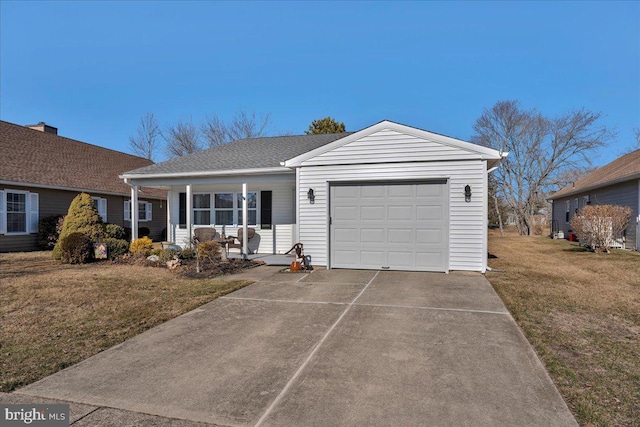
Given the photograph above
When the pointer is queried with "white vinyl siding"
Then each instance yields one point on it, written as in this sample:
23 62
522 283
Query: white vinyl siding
144 211
278 239
466 242
390 145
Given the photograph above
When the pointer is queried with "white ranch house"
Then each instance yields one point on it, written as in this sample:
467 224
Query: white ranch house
387 197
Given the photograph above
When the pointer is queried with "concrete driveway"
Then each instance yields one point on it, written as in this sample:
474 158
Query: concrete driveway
332 348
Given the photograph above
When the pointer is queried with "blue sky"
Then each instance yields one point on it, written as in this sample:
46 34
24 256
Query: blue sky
92 69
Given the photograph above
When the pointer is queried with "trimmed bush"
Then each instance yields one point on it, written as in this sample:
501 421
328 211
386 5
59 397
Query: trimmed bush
141 246
167 255
76 248
116 247
49 230
187 253
82 218
115 231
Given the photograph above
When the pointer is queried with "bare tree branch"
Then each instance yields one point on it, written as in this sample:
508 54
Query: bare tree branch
540 150
242 125
182 139
147 138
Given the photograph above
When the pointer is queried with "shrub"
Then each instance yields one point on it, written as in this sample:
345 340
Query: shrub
144 232
115 231
207 254
117 247
82 218
167 255
597 226
187 253
49 230
141 246
76 248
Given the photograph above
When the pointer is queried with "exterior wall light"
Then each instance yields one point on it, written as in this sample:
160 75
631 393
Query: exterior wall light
467 193
311 196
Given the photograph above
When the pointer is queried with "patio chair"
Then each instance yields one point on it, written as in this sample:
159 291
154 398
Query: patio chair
251 233
204 234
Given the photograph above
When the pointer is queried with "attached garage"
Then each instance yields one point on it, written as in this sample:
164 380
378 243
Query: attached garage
390 225
394 197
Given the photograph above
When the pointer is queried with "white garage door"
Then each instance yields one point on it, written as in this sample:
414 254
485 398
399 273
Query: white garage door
401 226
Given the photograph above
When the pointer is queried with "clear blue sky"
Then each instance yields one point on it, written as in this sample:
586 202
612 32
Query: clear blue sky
93 68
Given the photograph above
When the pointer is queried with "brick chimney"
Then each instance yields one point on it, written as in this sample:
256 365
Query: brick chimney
43 127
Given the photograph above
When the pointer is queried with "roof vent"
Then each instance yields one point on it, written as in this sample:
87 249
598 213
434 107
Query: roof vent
43 127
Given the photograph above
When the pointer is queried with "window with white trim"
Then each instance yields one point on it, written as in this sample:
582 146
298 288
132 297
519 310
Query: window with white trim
202 209
101 206
224 208
19 212
252 208
144 211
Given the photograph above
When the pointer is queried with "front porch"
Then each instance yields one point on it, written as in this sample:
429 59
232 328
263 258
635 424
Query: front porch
268 259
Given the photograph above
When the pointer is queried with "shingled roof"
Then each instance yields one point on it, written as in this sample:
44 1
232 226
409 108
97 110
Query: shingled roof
243 154
622 169
39 158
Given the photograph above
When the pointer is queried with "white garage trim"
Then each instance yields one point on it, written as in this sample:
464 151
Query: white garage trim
369 238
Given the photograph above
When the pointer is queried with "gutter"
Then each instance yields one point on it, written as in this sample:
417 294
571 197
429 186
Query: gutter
573 192
232 172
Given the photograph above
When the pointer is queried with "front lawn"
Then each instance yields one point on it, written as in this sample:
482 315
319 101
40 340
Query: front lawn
53 315
581 313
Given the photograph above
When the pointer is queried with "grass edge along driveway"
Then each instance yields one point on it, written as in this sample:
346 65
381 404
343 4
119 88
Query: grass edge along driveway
55 315
581 313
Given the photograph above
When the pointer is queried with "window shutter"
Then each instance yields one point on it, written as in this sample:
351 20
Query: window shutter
3 213
182 211
265 209
149 205
102 209
127 210
33 212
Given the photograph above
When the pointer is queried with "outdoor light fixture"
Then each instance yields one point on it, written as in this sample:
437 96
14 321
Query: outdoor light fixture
311 196
467 193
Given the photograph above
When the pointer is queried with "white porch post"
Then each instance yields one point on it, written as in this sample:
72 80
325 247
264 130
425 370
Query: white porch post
134 212
245 221
169 237
189 214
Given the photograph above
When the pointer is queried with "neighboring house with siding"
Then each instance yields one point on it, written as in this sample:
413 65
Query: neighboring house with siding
387 197
617 183
41 173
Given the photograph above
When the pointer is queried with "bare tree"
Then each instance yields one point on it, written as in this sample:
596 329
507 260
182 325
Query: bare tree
540 150
242 125
147 138
182 139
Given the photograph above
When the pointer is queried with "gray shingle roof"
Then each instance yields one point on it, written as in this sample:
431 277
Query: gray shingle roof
250 153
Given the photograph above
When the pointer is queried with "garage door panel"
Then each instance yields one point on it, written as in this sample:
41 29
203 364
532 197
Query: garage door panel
373 235
429 190
346 235
371 191
429 237
400 213
429 260
372 213
345 192
372 258
390 226
429 213
395 191
400 235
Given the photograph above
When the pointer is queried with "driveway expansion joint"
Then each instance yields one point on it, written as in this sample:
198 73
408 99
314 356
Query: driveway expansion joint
310 356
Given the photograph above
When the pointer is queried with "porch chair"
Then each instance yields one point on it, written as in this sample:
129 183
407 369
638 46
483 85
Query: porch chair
204 234
251 232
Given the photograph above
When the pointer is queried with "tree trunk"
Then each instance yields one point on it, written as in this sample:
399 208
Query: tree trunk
495 201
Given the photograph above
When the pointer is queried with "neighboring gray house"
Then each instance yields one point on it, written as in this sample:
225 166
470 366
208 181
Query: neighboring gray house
617 183
387 197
